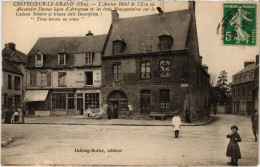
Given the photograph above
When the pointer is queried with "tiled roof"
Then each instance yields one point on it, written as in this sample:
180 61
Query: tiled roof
50 47
248 68
14 56
8 66
54 45
141 33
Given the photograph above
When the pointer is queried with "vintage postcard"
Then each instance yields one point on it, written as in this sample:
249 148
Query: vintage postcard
113 83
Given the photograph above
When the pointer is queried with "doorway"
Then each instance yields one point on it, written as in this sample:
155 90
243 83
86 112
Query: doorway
80 103
145 101
117 104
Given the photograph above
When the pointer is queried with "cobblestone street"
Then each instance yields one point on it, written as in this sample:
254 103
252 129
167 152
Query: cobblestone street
134 145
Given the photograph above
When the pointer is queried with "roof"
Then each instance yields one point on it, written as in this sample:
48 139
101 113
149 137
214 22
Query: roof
9 67
249 67
74 46
54 45
14 55
141 33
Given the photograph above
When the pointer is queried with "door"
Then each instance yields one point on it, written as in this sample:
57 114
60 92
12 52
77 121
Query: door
145 102
80 105
113 110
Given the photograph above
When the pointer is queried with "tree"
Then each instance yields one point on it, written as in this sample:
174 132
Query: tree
223 88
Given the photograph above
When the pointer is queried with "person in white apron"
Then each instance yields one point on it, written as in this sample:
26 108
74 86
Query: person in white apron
176 123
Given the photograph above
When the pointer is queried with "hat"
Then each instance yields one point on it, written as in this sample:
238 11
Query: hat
234 126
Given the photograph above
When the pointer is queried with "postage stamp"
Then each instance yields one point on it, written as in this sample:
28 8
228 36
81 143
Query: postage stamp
239 24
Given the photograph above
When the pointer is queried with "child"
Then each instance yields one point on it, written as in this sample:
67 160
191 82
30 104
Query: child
233 149
176 122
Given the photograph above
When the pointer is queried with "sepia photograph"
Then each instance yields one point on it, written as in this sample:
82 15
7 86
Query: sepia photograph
130 83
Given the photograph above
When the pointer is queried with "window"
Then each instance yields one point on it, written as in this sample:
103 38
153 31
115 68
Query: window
91 100
145 70
249 91
250 76
89 78
17 83
164 98
117 46
243 78
9 82
58 101
243 92
39 60
62 79
89 58
71 101
238 78
17 100
46 79
165 68
62 59
116 71
165 42
33 79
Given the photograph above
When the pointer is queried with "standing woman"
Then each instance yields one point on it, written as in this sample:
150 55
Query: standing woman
21 117
176 123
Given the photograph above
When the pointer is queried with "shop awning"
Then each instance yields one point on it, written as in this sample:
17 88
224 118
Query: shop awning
35 95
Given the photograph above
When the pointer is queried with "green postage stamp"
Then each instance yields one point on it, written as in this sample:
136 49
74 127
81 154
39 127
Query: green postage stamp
239 24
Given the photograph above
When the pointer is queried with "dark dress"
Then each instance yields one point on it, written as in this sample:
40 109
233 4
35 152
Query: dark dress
233 149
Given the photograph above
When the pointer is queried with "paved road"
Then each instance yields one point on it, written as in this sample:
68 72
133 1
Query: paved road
136 145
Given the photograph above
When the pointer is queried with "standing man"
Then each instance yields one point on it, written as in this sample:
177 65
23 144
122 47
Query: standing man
176 123
187 112
254 121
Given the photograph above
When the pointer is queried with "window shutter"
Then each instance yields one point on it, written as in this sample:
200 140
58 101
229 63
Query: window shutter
58 59
48 79
34 81
35 60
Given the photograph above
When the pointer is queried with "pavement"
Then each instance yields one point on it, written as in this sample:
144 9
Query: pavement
83 120
59 144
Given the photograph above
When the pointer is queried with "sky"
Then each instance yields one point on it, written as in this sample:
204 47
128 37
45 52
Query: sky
24 32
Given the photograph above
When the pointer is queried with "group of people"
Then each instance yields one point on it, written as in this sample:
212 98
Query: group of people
14 116
233 150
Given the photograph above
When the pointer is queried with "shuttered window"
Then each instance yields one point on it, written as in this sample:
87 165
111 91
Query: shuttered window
33 79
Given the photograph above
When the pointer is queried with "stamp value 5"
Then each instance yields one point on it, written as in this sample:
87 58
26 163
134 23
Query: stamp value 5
239 24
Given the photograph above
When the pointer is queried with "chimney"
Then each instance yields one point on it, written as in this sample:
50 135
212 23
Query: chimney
246 63
10 46
257 59
191 7
89 33
115 16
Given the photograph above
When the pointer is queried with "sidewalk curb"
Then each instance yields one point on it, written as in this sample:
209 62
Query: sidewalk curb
122 124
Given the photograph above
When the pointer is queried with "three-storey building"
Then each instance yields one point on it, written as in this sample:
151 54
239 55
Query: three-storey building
64 75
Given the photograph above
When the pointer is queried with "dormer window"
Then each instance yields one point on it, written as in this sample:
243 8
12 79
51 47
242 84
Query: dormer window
39 60
165 41
62 58
89 57
118 45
